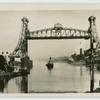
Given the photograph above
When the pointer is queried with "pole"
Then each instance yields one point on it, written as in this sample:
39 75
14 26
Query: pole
91 30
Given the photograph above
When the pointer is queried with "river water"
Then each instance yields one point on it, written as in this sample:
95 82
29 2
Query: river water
63 78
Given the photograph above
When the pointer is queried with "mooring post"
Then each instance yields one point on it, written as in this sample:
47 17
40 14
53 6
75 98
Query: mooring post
91 31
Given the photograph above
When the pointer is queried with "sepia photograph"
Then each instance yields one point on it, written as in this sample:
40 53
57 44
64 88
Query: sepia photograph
49 50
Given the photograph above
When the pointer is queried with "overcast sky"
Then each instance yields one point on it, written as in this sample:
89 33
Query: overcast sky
10 28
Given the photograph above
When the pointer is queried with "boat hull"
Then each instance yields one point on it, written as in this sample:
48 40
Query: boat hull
49 66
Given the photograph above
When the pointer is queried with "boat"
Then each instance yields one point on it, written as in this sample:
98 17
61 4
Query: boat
50 64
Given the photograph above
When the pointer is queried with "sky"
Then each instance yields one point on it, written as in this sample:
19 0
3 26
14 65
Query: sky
10 29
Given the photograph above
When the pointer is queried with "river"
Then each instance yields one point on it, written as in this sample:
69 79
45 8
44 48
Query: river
63 78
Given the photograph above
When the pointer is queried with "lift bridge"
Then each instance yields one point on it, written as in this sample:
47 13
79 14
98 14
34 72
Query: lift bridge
57 32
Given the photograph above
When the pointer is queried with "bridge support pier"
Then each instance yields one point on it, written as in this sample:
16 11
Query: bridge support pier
3 85
24 84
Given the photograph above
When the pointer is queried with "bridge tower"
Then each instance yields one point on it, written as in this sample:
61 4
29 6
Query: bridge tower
25 31
24 51
21 51
22 46
92 32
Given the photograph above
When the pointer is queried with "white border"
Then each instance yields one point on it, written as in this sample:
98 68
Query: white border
48 6
49 1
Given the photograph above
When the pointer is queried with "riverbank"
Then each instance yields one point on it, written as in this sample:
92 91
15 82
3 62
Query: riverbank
69 60
76 63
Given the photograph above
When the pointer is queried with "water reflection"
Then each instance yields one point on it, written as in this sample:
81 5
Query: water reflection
24 84
2 86
63 77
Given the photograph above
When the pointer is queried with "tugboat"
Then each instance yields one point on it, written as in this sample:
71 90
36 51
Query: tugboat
50 64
